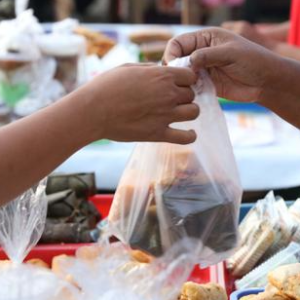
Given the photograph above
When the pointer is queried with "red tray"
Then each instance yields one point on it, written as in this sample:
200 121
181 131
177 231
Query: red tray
216 274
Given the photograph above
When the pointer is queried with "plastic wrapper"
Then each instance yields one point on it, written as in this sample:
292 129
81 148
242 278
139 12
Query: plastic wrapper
112 273
266 229
22 223
68 50
171 193
257 278
18 41
21 226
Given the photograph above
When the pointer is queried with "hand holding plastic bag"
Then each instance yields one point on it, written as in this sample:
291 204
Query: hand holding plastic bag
173 194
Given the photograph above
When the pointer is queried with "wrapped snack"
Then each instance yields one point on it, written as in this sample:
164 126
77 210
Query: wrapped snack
18 54
113 274
22 223
189 194
257 278
67 49
265 230
287 280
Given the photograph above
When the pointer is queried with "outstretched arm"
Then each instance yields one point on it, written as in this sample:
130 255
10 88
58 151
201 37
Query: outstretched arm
130 103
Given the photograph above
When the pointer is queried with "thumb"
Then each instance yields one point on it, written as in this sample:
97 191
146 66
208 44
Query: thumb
211 57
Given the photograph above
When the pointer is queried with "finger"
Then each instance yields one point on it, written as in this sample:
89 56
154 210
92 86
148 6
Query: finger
182 45
185 112
185 95
182 76
211 57
177 136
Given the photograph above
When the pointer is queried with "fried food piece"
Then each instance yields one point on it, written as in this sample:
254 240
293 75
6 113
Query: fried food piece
59 263
287 280
97 43
141 256
210 291
38 263
88 252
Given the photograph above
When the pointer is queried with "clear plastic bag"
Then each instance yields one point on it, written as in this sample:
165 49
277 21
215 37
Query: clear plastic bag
21 225
68 49
22 222
265 230
257 278
115 274
172 194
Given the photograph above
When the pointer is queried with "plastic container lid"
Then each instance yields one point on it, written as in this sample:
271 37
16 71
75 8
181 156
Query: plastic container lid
242 293
61 44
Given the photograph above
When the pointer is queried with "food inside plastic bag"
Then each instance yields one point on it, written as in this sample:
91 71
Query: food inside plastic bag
21 225
266 229
112 272
22 222
169 193
24 282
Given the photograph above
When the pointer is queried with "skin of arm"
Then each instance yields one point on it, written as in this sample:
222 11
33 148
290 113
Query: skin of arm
242 70
272 37
129 103
278 32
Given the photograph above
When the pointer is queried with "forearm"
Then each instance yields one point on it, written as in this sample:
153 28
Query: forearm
32 147
278 32
286 50
282 92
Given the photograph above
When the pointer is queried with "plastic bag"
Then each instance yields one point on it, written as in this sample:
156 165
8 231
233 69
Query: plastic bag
21 225
115 274
257 278
68 49
172 194
266 229
18 39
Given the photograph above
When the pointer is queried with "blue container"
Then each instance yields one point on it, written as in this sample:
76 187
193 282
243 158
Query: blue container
239 294
245 207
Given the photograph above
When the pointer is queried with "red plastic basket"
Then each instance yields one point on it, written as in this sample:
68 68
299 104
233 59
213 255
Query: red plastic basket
216 274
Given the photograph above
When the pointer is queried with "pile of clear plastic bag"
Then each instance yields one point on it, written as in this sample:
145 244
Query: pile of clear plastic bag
185 195
22 223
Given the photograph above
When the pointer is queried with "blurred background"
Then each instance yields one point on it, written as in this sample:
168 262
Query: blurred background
204 12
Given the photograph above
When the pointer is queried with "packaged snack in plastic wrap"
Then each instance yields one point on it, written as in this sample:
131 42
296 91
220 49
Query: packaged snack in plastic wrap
21 226
68 49
266 229
257 278
170 193
115 273
18 52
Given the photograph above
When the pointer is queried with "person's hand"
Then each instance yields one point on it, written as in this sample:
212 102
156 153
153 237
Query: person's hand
241 70
249 32
139 102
